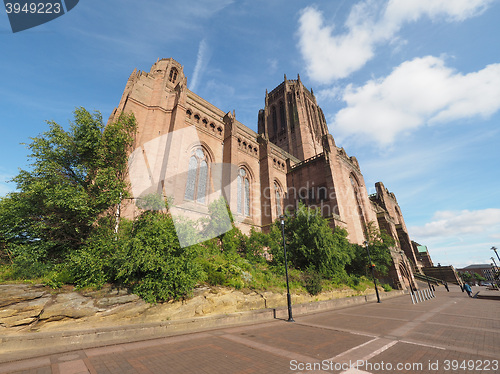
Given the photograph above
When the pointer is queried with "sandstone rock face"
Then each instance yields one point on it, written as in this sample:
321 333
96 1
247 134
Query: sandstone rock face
26 308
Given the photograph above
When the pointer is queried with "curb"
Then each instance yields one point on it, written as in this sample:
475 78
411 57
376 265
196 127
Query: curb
16 347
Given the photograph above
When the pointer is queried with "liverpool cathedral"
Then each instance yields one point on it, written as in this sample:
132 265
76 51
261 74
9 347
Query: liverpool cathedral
192 152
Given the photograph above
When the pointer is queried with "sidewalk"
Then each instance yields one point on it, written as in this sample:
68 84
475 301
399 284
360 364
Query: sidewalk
395 336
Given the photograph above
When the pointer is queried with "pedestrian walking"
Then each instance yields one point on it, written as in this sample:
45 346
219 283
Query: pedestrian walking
468 289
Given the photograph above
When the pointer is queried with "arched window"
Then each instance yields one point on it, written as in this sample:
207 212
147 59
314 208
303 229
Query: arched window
243 193
279 197
282 116
275 120
173 75
197 177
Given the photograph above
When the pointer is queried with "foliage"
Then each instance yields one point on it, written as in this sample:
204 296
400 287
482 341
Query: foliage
92 265
253 246
386 287
379 244
474 277
313 282
220 220
153 263
152 201
311 244
75 177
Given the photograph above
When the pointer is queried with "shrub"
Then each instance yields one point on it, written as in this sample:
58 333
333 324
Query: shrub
153 263
386 287
313 282
311 244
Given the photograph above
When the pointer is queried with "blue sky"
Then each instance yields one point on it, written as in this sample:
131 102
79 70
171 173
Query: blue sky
410 87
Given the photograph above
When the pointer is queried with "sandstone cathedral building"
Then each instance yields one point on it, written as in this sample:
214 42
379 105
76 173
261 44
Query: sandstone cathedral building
188 150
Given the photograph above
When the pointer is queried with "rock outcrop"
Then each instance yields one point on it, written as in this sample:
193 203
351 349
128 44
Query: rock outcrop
27 308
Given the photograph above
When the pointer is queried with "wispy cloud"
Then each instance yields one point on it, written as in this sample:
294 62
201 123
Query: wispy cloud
330 54
201 63
466 234
418 92
458 223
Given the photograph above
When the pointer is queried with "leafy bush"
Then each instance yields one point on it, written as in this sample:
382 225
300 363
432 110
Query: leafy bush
152 262
386 287
311 244
379 244
30 262
313 282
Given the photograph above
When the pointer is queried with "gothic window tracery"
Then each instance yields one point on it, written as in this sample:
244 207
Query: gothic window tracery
243 192
197 177
279 199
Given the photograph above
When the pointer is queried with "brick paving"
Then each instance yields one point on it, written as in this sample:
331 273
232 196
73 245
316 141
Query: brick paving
451 333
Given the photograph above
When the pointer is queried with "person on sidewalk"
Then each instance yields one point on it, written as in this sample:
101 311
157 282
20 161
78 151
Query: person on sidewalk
468 289
446 286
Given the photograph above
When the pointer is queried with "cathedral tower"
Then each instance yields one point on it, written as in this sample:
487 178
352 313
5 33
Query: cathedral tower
293 120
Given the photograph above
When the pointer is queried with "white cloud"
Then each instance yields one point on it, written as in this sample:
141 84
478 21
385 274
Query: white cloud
417 92
201 63
331 55
461 237
454 224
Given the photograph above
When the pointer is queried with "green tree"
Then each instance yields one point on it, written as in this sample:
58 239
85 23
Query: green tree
75 177
313 245
478 277
380 244
466 277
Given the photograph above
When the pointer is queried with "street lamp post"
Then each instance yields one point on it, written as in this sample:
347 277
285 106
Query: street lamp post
289 299
372 265
494 249
495 272
494 262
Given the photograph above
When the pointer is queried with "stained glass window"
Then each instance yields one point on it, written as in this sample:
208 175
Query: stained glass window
243 193
278 200
239 195
247 197
197 177
191 178
202 182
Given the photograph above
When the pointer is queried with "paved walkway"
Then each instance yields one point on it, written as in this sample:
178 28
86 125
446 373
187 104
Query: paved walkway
451 333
